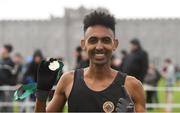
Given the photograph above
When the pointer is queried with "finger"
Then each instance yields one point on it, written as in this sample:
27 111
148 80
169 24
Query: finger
117 109
130 107
52 59
131 104
118 104
122 100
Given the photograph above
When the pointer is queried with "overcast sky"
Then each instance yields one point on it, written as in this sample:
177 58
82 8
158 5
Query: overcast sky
41 9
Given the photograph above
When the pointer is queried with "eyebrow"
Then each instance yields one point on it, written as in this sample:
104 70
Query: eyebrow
100 37
106 37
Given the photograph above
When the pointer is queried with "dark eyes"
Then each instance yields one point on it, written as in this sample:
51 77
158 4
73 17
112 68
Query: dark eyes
94 40
106 40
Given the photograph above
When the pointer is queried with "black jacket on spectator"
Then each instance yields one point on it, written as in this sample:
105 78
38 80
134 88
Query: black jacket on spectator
136 64
6 71
31 73
16 73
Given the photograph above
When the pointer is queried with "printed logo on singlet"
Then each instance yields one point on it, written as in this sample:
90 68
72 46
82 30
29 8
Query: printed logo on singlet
108 107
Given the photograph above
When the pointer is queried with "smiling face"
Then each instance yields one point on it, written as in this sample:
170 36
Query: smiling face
99 42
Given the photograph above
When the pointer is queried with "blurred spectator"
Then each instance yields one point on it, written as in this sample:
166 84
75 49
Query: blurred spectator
115 63
123 58
6 73
78 55
84 61
168 72
31 73
151 79
6 65
177 72
18 62
136 63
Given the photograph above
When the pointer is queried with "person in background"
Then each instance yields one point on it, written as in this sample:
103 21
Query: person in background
115 63
78 55
18 65
84 61
6 73
168 72
123 58
136 63
177 68
30 76
6 64
151 79
31 72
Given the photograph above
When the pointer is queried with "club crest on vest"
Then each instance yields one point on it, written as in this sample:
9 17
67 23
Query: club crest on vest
108 107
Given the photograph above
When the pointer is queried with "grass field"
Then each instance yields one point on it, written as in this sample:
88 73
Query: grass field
161 95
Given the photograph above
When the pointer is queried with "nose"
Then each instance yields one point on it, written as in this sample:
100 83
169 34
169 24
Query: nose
99 45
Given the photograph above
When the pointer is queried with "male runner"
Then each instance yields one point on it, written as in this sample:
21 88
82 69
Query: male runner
97 88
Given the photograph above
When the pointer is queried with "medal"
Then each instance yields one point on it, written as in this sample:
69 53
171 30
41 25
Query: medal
54 65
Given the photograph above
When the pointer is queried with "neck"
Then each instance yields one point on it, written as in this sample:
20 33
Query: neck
99 71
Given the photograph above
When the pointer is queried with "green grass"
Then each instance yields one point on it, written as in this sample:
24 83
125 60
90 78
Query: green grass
65 109
161 95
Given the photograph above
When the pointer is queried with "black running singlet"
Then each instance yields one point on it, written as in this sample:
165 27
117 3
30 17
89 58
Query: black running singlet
83 99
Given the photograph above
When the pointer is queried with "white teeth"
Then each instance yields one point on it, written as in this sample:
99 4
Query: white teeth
99 55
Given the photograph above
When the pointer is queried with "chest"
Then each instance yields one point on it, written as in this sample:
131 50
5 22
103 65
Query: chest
96 85
88 98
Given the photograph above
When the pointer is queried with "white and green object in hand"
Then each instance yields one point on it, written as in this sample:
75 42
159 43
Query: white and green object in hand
48 72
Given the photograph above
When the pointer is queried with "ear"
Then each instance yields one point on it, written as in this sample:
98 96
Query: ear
83 43
116 43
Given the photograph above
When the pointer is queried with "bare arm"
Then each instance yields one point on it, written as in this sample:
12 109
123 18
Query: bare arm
136 91
40 106
139 98
58 100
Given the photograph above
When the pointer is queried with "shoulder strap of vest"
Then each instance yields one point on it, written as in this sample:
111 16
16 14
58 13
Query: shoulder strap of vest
78 74
121 77
124 75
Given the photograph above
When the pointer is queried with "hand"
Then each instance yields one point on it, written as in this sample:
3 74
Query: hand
125 104
47 73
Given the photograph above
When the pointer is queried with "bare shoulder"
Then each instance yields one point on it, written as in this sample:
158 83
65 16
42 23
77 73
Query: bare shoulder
65 80
65 83
67 76
133 82
133 86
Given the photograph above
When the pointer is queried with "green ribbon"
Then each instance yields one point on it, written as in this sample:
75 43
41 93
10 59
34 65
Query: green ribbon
24 91
28 89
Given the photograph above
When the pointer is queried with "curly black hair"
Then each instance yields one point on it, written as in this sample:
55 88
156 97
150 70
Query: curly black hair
99 18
